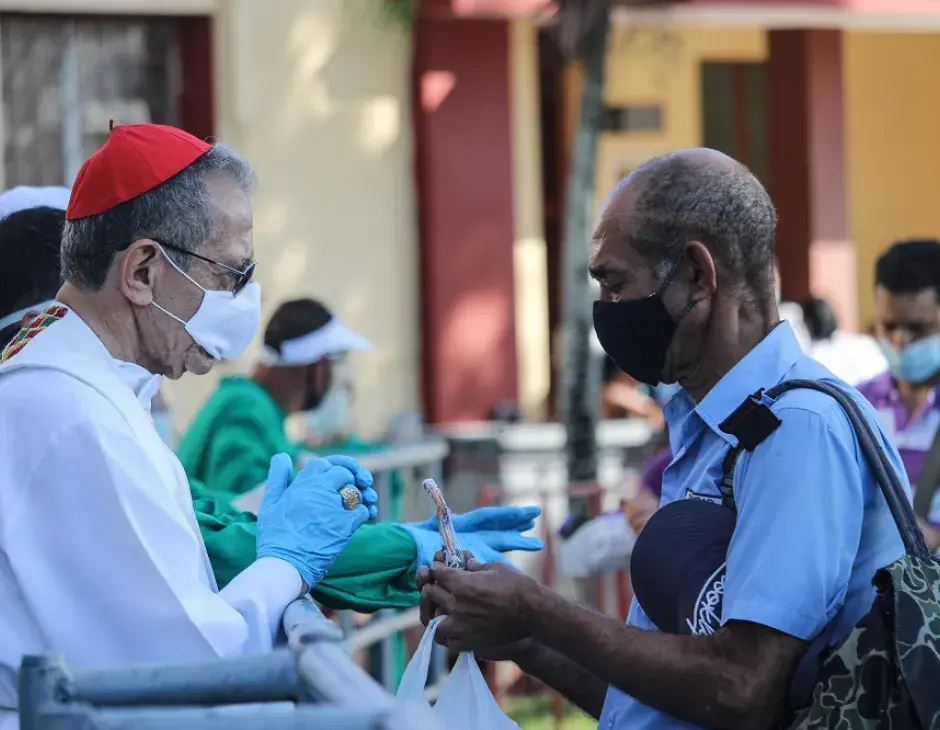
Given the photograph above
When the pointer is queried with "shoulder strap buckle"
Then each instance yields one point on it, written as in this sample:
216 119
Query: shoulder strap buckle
751 422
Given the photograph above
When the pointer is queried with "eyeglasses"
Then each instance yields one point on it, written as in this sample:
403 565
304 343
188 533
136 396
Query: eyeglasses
242 276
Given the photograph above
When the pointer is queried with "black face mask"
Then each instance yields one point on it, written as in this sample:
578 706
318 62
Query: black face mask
636 334
317 394
313 400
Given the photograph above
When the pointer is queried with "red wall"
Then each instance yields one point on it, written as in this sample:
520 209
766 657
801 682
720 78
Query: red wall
465 207
197 113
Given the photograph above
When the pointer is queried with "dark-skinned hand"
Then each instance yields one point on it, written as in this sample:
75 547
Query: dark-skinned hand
514 651
485 606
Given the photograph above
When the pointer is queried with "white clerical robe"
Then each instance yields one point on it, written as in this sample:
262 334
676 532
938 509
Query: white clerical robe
101 559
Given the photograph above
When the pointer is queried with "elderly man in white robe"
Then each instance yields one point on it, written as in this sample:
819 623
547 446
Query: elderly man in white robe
101 559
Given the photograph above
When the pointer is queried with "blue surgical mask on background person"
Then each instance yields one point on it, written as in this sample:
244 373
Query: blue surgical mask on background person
917 362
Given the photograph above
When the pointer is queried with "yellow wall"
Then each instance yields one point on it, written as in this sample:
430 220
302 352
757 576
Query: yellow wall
661 66
316 93
893 120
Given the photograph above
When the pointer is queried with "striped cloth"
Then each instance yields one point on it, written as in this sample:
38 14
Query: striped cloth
33 328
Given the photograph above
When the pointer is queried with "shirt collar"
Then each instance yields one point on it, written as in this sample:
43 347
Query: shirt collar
144 383
763 367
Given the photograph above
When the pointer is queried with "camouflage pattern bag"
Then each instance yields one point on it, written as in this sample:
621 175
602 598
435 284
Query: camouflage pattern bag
885 674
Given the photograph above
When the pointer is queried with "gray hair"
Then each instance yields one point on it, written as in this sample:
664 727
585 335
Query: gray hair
722 205
178 211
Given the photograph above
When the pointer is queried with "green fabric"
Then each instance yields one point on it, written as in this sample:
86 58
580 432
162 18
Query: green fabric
226 452
376 569
229 445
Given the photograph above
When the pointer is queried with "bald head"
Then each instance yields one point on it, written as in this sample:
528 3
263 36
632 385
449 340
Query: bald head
696 195
684 254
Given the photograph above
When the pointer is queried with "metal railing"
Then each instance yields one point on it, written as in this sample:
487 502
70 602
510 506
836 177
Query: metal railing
415 463
313 683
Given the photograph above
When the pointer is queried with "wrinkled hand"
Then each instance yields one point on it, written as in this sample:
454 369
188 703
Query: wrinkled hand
640 509
486 606
303 521
487 532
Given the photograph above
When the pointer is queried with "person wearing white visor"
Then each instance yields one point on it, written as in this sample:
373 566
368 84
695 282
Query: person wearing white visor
24 197
29 278
36 238
231 440
104 562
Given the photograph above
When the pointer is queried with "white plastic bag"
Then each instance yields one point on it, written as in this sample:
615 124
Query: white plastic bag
465 701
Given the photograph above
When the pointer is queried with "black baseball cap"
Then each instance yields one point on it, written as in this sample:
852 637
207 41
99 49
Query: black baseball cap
678 575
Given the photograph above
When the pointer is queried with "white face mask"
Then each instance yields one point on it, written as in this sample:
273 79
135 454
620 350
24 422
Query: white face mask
329 421
225 324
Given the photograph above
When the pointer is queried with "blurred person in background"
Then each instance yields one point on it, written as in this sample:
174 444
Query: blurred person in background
623 397
29 275
791 312
853 357
231 441
907 325
24 197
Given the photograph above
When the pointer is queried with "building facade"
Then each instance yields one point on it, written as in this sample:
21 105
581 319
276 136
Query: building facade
414 179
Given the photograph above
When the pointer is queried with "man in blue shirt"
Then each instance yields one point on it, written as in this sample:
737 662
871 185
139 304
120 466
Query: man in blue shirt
683 251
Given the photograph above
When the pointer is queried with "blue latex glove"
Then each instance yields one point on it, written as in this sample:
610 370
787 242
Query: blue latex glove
303 521
487 532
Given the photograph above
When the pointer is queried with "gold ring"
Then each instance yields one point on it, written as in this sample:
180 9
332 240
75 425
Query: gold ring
351 498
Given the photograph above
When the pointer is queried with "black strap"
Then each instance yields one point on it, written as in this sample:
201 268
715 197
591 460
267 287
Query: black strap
750 423
726 484
928 479
888 481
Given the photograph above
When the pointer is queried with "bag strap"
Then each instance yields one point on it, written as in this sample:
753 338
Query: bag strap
750 423
928 479
885 475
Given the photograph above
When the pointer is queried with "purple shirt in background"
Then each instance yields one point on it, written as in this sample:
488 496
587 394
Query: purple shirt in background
912 436
653 472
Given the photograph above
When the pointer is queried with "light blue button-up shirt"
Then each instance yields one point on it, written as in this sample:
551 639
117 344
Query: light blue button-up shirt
812 524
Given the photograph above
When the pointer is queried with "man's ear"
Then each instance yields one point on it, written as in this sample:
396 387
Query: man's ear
140 265
704 273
